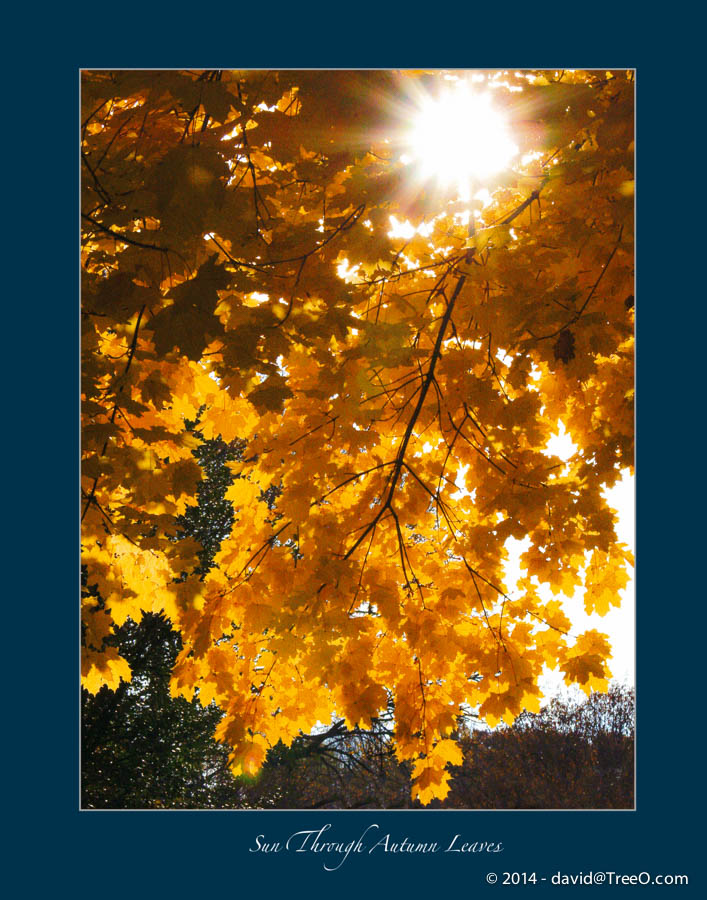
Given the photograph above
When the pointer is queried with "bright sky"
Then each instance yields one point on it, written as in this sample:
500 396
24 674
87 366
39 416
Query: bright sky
619 622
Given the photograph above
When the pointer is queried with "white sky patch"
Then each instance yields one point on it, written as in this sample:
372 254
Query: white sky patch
503 357
619 622
460 484
407 230
561 444
346 271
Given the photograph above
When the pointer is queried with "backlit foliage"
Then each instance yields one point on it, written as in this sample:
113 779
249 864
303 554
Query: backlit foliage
395 394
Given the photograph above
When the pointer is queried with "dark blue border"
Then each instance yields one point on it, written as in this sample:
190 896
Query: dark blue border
119 853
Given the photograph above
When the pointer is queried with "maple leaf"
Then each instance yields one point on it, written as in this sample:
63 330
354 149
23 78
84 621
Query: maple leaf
563 347
271 394
103 669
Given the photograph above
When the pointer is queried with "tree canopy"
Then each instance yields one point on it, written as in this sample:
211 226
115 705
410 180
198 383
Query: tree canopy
260 258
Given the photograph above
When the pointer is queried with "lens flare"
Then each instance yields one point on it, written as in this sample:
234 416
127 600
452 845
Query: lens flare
459 136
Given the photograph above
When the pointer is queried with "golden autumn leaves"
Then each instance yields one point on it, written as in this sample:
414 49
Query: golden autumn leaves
396 421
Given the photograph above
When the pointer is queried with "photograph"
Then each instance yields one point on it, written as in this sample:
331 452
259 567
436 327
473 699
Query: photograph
357 444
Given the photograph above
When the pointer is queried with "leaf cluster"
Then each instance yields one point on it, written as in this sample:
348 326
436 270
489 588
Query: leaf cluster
391 398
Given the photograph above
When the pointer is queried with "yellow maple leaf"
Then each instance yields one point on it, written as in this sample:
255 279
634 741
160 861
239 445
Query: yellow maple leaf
105 668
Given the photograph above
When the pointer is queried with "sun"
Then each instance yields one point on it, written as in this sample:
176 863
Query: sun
459 138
